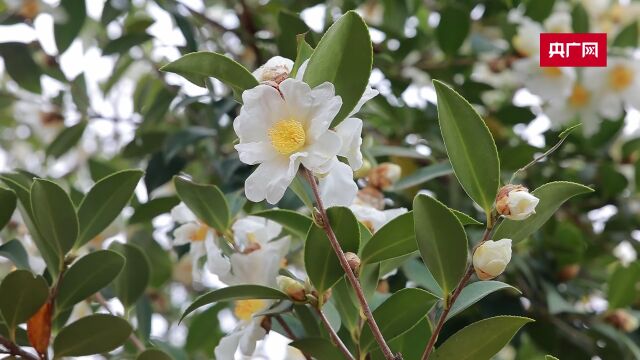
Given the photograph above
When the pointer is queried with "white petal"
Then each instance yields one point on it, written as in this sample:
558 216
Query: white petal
259 267
321 154
350 132
182 235
182 214
228 345
269 181
253 333
216 262
262 107
369 93
302 69
338 188
255 152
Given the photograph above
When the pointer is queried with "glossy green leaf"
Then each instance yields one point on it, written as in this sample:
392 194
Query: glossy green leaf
411 344
464 133
622 290
423 175
238 292
152 208
552 196
20 65
54 215
8 203
66 139
453 28
318 348
320 260
303 53
104 202
153 354
66 29
628 36
134 277
481 340
416 272
398 314
346 304
396 238
87 276
441 240
197 67
160 261
580 19
294 222
290 26
22 295
464 218
204 330
206 201
475 292
14 251
343 57
93 334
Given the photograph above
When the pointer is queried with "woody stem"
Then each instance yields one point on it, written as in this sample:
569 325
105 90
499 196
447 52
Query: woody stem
353 280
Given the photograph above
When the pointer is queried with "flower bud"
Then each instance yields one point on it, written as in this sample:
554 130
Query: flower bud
622 320
276 70
353 260
384 175
491 258
291 287
515 202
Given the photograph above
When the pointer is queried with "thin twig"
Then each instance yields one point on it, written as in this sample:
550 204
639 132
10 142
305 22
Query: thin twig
139 345
355 283
535 160
334 337
456 292
246 20
15 350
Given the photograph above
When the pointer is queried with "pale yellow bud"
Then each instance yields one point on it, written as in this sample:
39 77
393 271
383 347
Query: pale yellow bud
515 202
292 287
491 258
384 175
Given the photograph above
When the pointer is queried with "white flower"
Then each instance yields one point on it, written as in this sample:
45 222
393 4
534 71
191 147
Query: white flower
280 129
558 22
338 188
619 84
491 258
583 104
625 252
550 83
276 69
515 202
253 232
527 39
193 232
373 218
246 335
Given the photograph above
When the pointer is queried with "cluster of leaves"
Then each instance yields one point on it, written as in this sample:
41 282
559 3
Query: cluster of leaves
558 261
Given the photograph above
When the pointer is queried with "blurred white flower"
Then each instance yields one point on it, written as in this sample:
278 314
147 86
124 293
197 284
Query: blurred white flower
558 22
625 252
527 39
193 232
550 83
373 218
491 258
619 84
583 104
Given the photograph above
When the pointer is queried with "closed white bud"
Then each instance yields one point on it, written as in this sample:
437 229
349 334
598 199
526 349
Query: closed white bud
515 202
384 175
295 289
276 70
491 258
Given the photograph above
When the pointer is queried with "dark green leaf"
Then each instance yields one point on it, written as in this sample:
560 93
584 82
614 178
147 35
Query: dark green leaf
22 295
628 36
464 218
93 334
134 277
422 176
292 221
8 203
580 19
475 292
396 238
66 139
67 30
20 66
416 272
319 348
303 53
125 42
623 282
153 354
14 251
290 26
204 330
206 201
453 28
539 10
152 208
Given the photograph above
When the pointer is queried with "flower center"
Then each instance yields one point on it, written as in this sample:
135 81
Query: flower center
199 234
620 78
287 136
29 9
579 97
245 309
552 72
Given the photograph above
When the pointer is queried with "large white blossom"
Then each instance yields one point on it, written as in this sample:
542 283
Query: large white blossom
618 84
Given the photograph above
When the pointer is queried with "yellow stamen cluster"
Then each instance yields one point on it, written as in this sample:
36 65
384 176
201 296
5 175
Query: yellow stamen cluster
199 234
287 136
620 78
552 72
245 309
580 96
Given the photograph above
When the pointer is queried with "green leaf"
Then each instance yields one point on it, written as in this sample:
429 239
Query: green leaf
475 292
238 292
153 354
628 36
93 334
580 19
343 57
67 30
152 208
20 66
8 203
441 240
66 139
550 357
197 67
206 201
319 348
552 195
161 266
453 28
204 330
321 262
87 276
14 251
104 202
396 238
411 344
290 26
54 215
134 277
415 271
481 340
346 304
22 295
292 221
622 286
464 218
303 54
539 10
398 314
423 175
124 43
470 146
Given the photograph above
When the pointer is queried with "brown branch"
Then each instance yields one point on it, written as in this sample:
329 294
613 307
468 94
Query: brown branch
287 329
334 337
15 350
355 283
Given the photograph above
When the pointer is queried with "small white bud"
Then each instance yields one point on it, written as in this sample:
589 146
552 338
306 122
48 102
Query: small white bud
491 258
515 202
276 70
384 175
292 287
